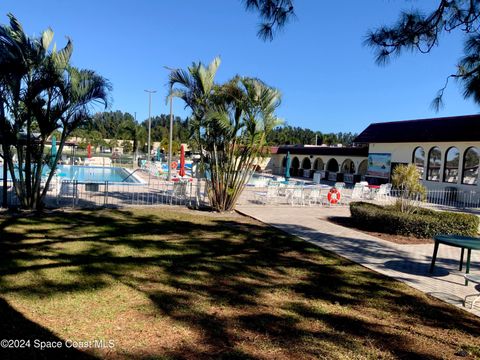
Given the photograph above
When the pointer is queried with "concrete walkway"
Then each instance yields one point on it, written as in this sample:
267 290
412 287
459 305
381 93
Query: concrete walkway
407 263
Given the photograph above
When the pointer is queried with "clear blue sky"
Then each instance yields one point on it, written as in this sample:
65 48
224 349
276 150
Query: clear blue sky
328 78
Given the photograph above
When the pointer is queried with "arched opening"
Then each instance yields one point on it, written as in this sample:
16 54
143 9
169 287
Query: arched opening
434 164
450 169
363 167
318 164
306 164
295 166
348 167
419 160
284 162
332 165
471 161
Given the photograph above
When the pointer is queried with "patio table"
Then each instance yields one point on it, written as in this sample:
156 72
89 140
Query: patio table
464 242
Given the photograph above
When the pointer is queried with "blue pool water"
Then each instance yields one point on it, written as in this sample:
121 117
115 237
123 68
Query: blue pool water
95 174
91 174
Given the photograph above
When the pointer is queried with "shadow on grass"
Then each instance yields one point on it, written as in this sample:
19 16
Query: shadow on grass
14 326
233 282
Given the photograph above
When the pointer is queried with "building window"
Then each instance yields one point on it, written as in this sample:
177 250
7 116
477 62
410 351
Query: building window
434 164
471 160
452 160
419 160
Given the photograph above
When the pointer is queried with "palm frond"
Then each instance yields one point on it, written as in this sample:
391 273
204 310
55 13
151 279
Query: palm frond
47 37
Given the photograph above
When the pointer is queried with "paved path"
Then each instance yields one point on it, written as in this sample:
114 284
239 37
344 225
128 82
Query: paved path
407 263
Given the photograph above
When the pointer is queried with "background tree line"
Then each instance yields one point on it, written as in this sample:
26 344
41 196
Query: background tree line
118 125
290 135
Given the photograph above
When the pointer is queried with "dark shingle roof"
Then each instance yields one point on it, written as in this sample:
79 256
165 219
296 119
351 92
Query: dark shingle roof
323 150
455 128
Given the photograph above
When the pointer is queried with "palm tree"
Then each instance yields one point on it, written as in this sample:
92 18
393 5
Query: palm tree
39 89
230 123
241 120
137 134
196 89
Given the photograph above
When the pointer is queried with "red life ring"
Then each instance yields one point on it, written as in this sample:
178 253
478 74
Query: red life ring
333 196
173 165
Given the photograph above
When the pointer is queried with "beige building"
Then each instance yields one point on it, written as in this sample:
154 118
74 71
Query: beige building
446 151
334 163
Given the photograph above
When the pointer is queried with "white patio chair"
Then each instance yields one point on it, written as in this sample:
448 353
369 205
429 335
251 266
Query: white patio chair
358 190
295 195
268 196
356 194
383 192
282 190
311 195
339 185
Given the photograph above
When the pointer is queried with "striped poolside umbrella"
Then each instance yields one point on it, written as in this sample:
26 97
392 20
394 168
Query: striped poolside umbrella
89 151
287 166
182 161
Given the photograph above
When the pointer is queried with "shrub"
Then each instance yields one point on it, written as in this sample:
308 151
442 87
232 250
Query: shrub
422 224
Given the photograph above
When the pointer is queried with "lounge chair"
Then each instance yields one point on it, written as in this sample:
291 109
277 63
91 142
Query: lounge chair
179 191
68 189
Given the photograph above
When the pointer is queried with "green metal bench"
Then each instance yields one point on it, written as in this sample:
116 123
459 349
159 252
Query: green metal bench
463 242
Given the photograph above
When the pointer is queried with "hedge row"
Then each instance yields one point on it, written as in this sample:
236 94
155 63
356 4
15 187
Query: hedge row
422 224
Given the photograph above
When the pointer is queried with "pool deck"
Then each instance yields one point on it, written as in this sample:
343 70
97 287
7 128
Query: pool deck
407 263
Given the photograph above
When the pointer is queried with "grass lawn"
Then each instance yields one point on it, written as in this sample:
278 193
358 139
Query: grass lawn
170 284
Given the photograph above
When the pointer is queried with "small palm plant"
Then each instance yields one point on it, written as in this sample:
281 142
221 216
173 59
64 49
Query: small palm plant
406 179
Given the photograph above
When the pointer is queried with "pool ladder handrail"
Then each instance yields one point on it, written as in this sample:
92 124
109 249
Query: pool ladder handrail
133 172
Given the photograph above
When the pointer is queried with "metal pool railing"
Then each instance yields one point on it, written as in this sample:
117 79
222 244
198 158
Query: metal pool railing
305 196
75 194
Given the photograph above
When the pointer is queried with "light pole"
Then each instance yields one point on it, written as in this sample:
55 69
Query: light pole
150 92
170 137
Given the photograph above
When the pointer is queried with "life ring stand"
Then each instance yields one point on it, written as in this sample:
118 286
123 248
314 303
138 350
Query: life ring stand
174 165
333 196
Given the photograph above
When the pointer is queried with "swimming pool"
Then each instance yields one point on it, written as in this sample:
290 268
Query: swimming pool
96 174
259 180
